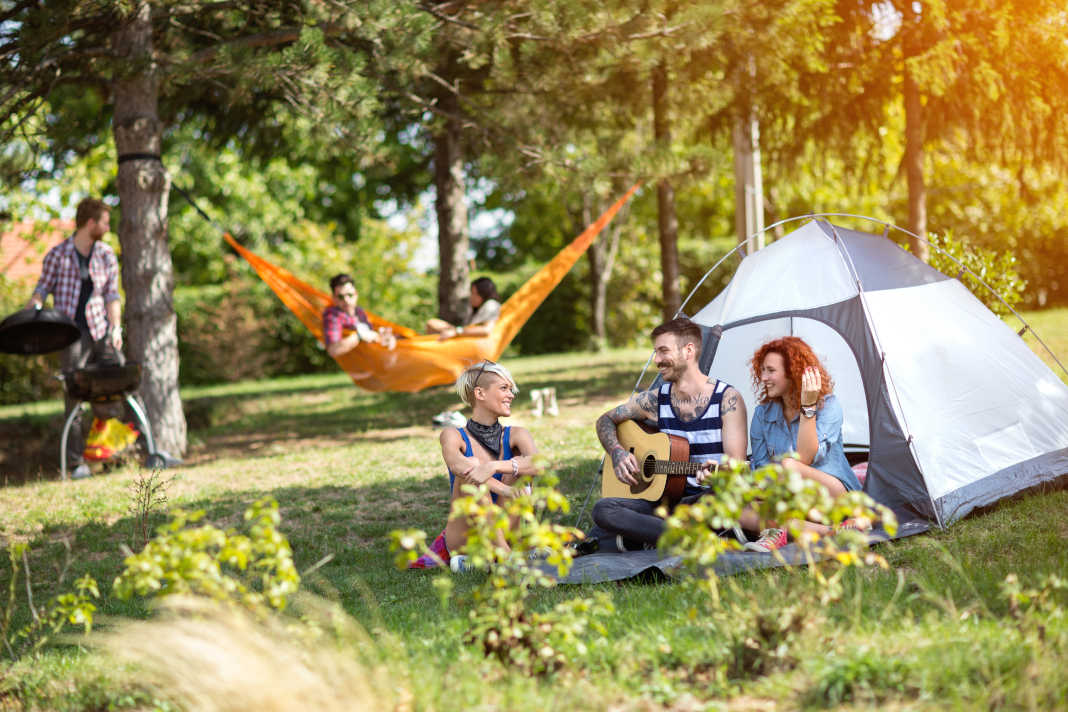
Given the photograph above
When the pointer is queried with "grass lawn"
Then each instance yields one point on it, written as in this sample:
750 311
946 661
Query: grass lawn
347 467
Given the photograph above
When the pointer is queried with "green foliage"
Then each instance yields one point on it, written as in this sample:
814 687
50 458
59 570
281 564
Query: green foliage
975 266
254 570
514 541
761 635
1029 604
775 494
240 330
562 322
75 608
865 675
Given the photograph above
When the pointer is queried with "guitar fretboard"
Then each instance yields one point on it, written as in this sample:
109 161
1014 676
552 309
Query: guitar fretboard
668 467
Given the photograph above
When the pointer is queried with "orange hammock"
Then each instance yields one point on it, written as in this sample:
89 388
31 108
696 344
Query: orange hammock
420 361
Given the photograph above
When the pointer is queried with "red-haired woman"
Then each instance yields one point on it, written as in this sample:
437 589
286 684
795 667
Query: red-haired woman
797 414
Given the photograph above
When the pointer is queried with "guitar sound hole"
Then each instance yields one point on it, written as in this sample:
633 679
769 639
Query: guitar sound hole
649 467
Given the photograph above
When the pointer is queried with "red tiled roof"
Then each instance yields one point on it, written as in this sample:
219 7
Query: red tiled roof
24 244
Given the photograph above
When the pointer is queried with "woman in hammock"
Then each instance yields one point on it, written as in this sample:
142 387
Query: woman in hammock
483 451
487 309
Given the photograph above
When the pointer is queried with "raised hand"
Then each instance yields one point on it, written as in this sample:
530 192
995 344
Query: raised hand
811 384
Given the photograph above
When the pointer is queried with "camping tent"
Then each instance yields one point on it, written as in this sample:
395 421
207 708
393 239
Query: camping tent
956 410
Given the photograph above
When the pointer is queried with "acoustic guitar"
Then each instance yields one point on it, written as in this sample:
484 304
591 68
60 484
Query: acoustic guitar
664 461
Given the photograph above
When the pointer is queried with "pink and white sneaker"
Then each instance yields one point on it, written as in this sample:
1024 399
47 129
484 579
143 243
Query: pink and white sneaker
770 540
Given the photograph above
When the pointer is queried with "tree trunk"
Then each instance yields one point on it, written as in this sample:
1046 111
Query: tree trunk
147 271
914 140
667 223
602 257
748 183
453 275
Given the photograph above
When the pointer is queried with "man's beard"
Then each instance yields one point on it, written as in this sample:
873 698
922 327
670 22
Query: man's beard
672 372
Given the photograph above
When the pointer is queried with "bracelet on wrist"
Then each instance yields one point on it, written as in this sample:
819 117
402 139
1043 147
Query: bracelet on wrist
515 467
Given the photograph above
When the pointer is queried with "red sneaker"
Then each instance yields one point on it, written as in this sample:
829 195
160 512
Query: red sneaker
770 540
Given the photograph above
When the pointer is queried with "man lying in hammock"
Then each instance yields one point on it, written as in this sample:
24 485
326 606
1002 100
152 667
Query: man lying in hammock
487 309
344 314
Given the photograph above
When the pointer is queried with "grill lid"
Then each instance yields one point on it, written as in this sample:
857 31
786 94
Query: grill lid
37 331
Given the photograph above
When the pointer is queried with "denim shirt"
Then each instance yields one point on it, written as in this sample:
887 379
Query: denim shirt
771 437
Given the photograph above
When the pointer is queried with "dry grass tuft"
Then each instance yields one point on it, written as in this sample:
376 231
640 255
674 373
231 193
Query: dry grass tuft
209 657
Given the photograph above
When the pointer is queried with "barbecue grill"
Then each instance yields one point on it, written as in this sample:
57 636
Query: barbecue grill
39 331
107 383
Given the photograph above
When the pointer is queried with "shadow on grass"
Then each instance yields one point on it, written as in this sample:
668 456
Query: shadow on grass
244 423
349 524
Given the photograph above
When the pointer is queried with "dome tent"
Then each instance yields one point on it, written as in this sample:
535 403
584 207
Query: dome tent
955 410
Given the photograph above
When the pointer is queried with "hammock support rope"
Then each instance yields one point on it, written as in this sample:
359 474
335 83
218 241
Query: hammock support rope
420 361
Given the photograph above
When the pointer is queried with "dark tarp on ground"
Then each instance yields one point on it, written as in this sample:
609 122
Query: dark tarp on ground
648 566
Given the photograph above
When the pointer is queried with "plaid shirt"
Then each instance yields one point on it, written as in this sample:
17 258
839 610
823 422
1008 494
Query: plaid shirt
335 321
60 276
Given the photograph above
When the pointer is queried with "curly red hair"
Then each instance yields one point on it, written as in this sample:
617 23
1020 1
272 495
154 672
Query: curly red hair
796 357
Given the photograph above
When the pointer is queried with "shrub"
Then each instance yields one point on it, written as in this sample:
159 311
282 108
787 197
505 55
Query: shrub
76 608
975 265
207 561
502 624
777 494
865 675
240 330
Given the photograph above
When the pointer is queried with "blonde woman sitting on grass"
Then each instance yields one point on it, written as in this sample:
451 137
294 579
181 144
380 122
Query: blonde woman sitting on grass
481 452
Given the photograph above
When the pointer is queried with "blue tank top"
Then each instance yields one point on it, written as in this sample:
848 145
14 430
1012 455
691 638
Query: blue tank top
506 453
704 433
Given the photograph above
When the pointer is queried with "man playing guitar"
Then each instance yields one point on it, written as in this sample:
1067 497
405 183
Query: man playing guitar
707 412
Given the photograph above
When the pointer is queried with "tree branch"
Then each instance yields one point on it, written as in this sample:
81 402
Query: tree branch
433 12
16 10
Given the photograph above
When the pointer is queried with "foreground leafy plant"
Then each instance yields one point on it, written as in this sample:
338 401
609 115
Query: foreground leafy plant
781 495
75 607
761 635
208 561
519 546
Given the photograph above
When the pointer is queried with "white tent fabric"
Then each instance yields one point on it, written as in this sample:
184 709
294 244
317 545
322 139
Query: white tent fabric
956 410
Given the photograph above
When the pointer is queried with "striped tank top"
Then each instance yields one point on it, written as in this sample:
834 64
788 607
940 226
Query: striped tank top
704 433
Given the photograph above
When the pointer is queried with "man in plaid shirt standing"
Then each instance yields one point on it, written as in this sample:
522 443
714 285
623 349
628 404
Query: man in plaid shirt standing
82 274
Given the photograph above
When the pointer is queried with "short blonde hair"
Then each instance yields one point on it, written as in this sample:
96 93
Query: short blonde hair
465 384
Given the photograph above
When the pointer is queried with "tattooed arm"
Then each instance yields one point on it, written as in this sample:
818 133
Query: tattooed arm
641 406
735 430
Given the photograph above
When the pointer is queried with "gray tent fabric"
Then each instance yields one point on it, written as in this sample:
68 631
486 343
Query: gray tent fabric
879 263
